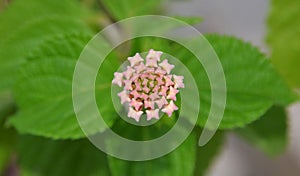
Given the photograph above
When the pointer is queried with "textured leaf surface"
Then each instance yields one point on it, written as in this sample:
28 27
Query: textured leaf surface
179 162
188 159
44 90
253 85
60 158
283 38
268 133
121 9
25 24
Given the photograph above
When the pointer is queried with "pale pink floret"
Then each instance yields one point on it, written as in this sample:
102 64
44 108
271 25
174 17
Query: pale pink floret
135 94
152 114
163 91
134 114
159 80
161 102
129 72
141 67
168 80
134 77
138 87
166 66
135 104
144 96
170 108
118 79
124 97
154 97
149 104
159 70
148 87
135 60
128 85
172 93
154 55
151 62
178 80
156 89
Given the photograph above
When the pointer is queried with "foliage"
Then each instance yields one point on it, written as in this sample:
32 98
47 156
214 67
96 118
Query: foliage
40 45
269 133
283 38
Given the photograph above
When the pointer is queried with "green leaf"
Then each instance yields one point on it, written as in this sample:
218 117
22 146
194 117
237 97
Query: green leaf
188 159
206 154
25 24
120 9
268 133
179 162
191 20
44 91
43 157
283 38
34 9
253 85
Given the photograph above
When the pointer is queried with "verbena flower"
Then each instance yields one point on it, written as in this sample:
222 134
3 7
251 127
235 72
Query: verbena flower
148 86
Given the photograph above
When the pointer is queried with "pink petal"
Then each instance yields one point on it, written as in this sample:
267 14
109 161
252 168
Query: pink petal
153 96
124 97
135 94
159 81
152 114
178 80
134 114
154 55
135 60
129 72
144 96
168 80
160 71
161 102
166 66
140 68
118 79
170 108
163 91
146 89
135 104
172 93
151 62
128 85
149 104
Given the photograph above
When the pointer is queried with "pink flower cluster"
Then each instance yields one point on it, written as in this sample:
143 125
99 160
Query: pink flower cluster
148 86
